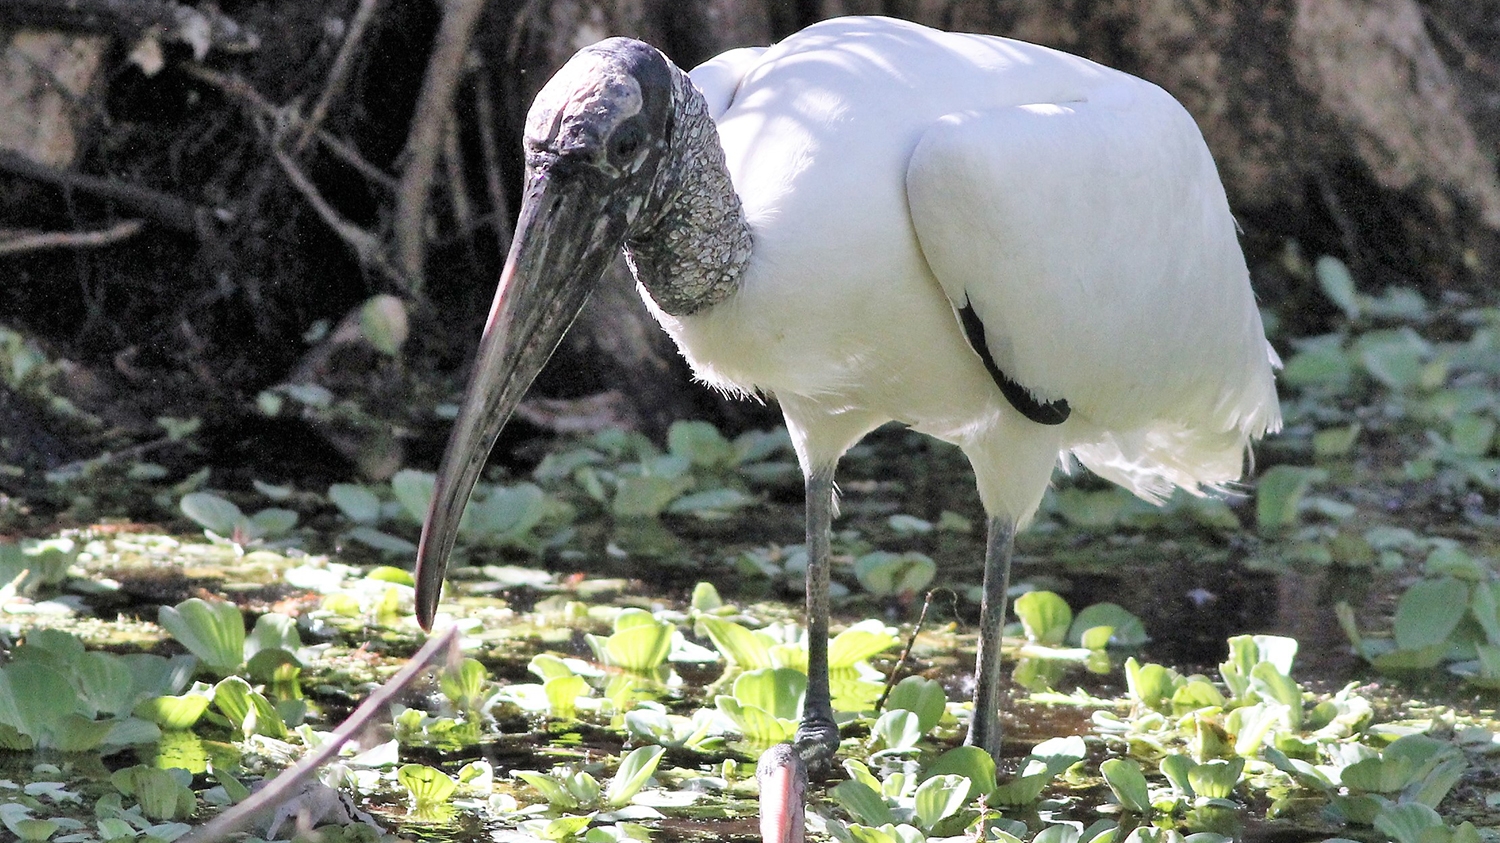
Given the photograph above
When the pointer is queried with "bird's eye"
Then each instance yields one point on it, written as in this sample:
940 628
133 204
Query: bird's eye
625 143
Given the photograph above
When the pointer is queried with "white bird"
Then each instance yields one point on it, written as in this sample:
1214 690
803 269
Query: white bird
1003 246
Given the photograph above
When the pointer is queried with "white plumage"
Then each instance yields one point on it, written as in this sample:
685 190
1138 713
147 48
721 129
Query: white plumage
891 173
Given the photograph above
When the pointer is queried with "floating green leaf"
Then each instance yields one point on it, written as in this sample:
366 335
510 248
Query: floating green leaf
1126 630
636 768
1337 284
1279 494
923 697
427 786
1128 784
940 797
1045 617
1429 611
214 632
885 574
738 644
897 729
862 641
357 503
212 512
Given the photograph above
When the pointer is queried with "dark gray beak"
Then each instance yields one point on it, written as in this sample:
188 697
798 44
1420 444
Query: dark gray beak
565 238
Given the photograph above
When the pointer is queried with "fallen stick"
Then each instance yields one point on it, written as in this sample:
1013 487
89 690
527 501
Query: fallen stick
281 787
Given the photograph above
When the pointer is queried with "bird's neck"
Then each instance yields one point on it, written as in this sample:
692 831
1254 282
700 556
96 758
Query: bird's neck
693 247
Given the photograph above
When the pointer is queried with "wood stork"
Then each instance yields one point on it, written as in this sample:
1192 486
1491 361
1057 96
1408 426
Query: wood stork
1006 247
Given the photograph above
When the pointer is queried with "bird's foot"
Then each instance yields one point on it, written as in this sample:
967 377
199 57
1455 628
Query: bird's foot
817 743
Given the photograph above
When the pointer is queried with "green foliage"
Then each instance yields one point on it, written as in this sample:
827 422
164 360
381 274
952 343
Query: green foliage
161 794
886 574
214 632
640 643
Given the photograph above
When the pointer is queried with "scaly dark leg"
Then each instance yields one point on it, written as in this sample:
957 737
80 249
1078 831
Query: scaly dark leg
984 729
818 736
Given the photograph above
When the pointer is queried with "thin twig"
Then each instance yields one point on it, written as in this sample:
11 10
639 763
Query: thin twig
890 681
367 247
278 116
343 151
284 784
489 147
36 241
458 186
164 208
338 75
424 139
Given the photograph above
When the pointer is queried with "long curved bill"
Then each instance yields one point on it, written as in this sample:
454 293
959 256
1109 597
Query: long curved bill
565 237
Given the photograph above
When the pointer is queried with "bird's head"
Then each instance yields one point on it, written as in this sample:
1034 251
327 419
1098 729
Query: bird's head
595 140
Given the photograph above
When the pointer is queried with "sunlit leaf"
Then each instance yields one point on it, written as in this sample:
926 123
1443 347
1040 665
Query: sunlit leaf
863 803
1126 630
551 789
940 797
1175 768
563 693
465 684
921 696
1126 781
862 641
738 644
778 691
214 632
897 729
1216 779
180 712
972 763
1045 617
427 786
635 769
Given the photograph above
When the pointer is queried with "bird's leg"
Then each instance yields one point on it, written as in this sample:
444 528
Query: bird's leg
984 728
818 736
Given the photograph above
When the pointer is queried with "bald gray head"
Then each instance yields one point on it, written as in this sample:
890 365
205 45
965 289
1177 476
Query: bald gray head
607 114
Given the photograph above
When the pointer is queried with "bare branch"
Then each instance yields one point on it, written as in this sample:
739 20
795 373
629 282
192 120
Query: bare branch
489 146
283 785
279 117
338 75
367 247
13 242
424 140
164 208
458 186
